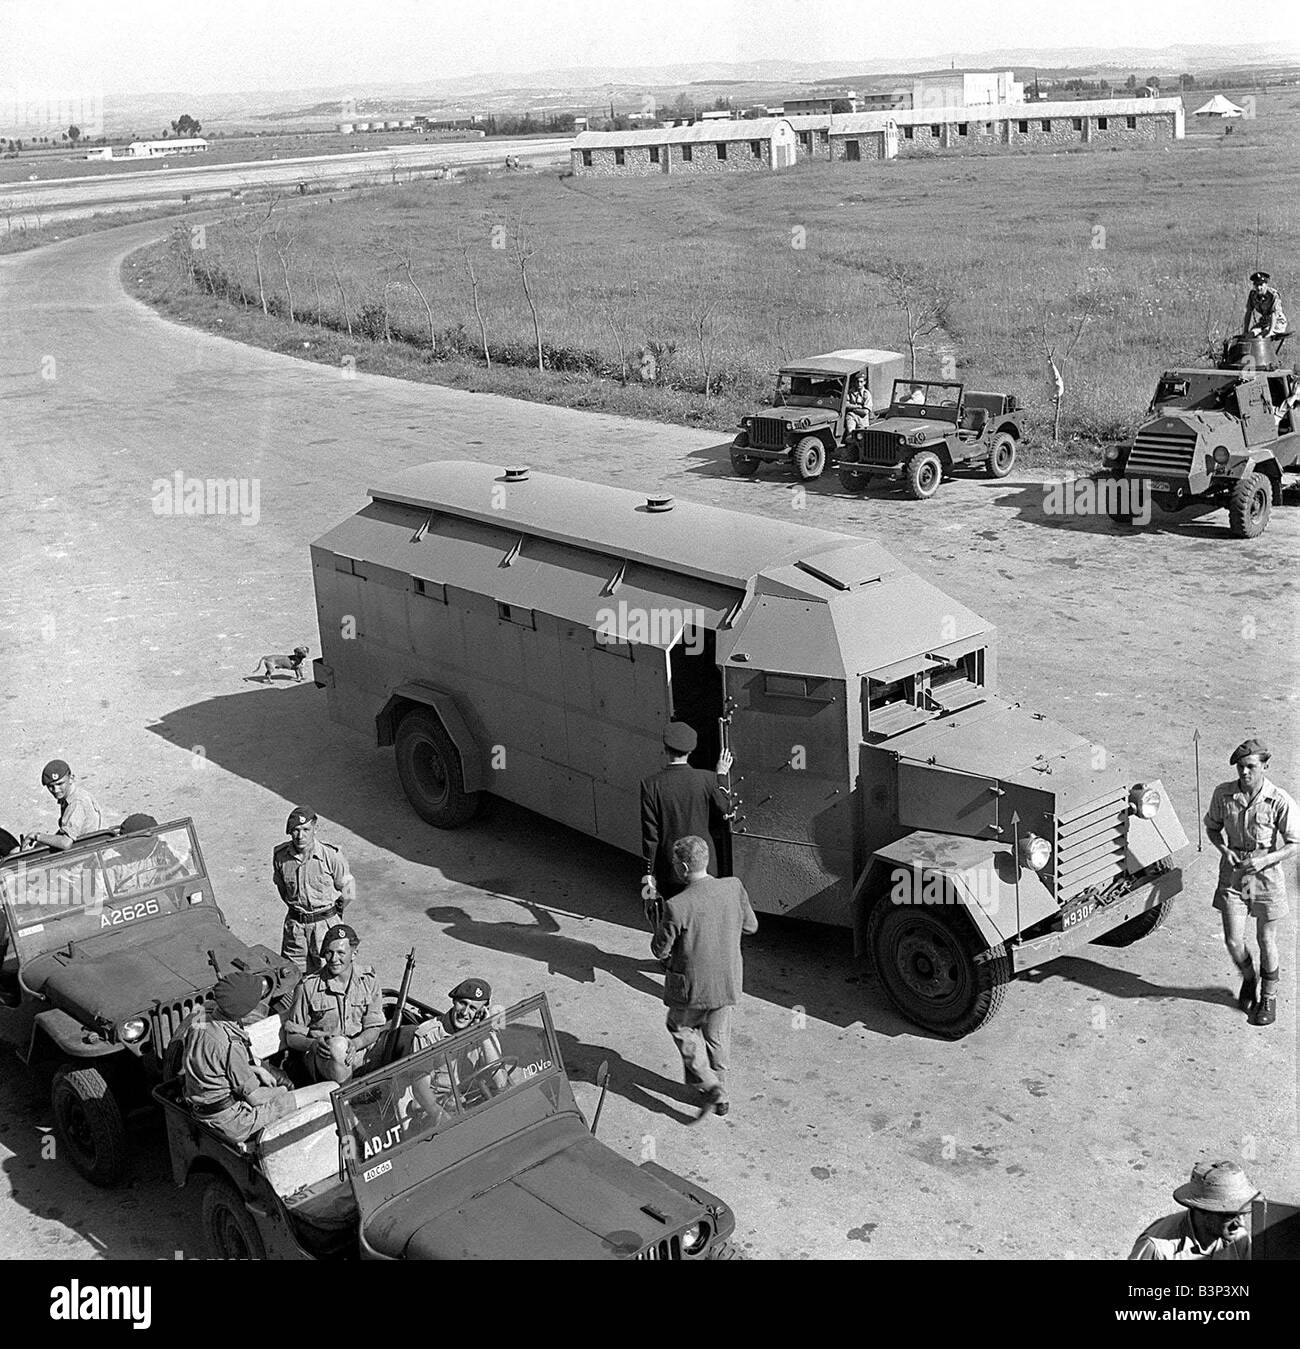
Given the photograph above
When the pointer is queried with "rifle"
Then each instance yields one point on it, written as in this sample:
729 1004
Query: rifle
395 1021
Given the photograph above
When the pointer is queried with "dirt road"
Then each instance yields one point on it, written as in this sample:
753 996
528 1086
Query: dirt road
125 636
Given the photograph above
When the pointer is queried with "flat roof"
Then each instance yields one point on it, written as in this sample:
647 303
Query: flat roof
1011 112
759 128
846 362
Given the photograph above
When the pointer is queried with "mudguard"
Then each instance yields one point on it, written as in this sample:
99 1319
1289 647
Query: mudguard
453 722
68 1036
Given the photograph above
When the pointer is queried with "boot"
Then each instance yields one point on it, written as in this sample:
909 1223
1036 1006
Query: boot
1246 994
1265 1013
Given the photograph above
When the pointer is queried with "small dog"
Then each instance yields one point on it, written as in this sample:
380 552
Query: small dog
268 664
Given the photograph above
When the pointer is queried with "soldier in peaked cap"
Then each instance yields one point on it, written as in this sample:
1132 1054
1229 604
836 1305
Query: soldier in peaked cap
1255 827
313 879
79 812
1211 1226
676 801
1264 316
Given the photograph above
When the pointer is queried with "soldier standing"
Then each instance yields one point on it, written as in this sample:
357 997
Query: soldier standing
1255 828
313 879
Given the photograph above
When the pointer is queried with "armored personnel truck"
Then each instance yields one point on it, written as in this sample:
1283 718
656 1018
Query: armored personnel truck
528 636
105 950
1224 435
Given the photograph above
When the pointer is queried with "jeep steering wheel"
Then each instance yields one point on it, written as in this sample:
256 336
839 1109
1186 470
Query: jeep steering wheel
505 1063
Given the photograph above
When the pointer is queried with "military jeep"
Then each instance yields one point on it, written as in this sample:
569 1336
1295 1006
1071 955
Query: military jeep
471 1148
1220 436
929 428
808 421
105 950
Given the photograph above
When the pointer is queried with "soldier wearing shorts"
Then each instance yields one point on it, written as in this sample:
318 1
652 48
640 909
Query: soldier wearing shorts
1255 827
313 879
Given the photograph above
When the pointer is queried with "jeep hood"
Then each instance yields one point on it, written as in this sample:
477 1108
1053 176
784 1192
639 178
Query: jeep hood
126 970
904 426
565 1196
816 416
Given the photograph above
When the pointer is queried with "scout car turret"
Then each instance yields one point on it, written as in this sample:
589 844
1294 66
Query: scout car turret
106 949
529 635
808 421
929 428
473 1148
1220 436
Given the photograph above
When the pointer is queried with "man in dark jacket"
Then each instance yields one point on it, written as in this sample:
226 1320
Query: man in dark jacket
698 942
676 801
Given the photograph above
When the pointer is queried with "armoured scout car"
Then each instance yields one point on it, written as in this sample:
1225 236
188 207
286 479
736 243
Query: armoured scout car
105 950
451 1153
808 421
528 635
1225 435
930 427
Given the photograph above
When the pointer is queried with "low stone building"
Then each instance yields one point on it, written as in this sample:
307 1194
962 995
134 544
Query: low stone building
812 137
862 136
764 143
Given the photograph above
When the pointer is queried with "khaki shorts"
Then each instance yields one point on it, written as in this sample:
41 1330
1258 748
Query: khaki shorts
1268 906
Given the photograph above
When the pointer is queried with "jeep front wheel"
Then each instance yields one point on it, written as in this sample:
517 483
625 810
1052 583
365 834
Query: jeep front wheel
927 964
88 1124
429 767
230 1229
742 464
809 458
853 480
1002 455
924 474
1249 505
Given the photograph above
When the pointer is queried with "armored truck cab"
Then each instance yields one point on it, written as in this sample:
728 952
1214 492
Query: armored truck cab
528 635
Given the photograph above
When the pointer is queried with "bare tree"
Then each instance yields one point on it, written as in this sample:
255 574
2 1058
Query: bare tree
702 306
388 330
406 261
473 290
925 308
283 242
618 303
320 304
343 296
1058 347
253 230
524 252
182 252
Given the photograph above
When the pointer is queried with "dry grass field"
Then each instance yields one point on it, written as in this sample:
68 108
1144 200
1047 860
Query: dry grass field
1123 260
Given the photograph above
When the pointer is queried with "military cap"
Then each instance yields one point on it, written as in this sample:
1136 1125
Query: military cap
1256 277
340 930
53 771
472 990
679 737
1217 1187
133 824
237 994
1247 748
299 815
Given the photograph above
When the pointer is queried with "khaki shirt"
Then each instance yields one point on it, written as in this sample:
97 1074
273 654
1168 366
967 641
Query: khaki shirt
319 881
79 814
1265 823
321 1004
217 1062
1172 1238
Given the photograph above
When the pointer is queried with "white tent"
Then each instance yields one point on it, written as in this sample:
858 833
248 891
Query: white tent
1218 106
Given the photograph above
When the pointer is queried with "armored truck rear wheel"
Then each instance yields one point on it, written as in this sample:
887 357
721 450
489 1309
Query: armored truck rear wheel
854 481
924 474
809 458
1136 928
88 1124
230 1229
1002 455
1249 505
430 769
926 962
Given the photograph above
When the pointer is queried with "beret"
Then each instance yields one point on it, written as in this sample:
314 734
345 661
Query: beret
237 994
299 814
1247 748
476 990
344 930
53 771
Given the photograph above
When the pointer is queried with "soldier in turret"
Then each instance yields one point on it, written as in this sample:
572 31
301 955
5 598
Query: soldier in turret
1264 316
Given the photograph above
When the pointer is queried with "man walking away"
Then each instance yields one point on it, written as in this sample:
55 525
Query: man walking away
698 943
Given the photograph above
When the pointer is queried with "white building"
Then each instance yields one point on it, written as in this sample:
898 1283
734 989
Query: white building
967 89
180 145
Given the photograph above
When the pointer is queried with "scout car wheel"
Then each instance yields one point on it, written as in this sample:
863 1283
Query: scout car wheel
928 968
924 474
1249 505
742 464
230 1229
854 481
88 1124
1002 455
429 767
725 1250
1136 928
809 458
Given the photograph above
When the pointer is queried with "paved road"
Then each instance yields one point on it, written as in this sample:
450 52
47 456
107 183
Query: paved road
125 636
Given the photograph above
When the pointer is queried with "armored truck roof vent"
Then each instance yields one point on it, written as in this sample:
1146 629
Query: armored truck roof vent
659 503
519 474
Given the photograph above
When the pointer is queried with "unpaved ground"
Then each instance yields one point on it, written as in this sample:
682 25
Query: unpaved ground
124 636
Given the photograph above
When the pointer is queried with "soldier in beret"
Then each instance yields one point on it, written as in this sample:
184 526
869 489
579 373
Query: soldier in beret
1255 828
1264 316
337 1018
79 812
470 1000
313 879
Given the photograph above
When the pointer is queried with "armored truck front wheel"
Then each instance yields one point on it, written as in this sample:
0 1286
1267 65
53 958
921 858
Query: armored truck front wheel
1002 455
228 1227
429 767
809 458
88 1124
1249 506
924 474
935 969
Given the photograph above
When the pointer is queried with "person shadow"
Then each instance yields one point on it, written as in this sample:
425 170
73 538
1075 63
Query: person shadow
637 1085
1117 983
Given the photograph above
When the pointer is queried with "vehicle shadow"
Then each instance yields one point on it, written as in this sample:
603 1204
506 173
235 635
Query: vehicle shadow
637 1085
1038 503
1118 983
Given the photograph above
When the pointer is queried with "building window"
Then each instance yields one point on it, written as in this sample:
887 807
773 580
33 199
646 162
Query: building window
722 149
514 613
962 128
1078 123
586 159
1022 126
757 148
826 137
1047 123
654 154
852 150
909 133
687 153
1132 123
805 139
1102 124
935 130
618 156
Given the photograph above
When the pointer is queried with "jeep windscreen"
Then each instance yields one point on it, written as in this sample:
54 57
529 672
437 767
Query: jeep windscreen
67 897
393 1109
805 391
910 394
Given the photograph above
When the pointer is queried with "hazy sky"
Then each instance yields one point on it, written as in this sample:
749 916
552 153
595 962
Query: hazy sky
137 46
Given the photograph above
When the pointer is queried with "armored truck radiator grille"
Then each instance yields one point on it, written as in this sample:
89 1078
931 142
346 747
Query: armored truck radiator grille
880 447
168 1019
1090 847
670 1248
767 433
1162 454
